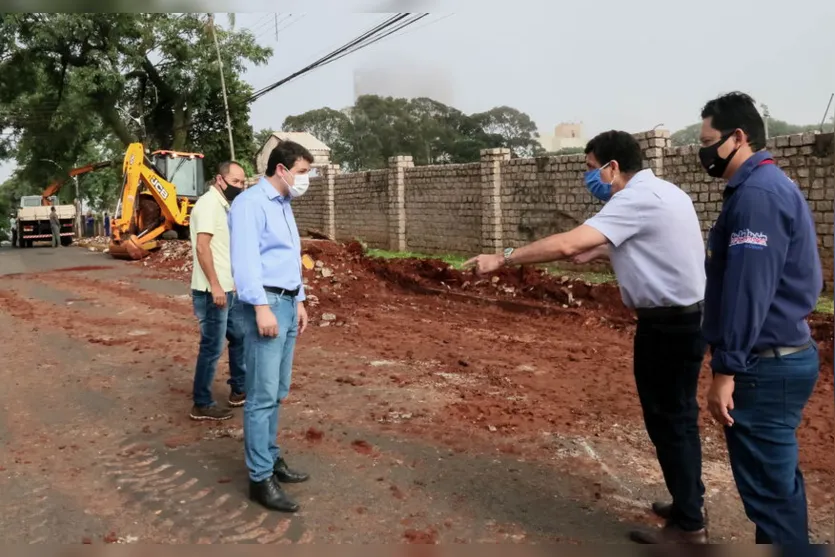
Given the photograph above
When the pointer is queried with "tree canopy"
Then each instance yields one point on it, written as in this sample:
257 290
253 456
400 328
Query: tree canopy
76 88
365 135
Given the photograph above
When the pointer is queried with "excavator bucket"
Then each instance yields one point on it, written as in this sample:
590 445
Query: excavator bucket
131 248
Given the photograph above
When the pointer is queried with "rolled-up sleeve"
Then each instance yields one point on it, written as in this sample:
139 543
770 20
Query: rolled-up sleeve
760 231
246 221
620 218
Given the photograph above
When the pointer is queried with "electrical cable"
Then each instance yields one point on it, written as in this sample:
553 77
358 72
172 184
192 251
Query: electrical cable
370 37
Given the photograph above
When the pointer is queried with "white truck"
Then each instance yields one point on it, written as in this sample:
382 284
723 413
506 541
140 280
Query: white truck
33 221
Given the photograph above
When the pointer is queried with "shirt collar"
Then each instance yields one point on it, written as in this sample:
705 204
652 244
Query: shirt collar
268 189
743 172
220 196
640 177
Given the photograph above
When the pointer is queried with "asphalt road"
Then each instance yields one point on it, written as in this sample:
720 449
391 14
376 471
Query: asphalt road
96 447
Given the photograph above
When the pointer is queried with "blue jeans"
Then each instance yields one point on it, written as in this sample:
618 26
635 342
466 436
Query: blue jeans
269 362
762 444
217 324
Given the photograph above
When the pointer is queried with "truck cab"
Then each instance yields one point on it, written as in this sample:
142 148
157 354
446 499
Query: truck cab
35 201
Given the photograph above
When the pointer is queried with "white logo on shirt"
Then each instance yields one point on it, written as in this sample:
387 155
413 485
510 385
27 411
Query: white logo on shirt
748 238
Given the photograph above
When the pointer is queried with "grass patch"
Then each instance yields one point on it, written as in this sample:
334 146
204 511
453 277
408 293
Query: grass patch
457 262
825 305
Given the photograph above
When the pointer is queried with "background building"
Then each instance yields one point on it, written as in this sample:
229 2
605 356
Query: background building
567 135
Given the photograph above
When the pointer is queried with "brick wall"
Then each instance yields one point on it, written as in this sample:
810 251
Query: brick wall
361 207
310 210
443 209
500 202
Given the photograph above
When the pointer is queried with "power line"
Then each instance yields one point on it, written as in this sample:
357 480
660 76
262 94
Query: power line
369 37
380 38
318 54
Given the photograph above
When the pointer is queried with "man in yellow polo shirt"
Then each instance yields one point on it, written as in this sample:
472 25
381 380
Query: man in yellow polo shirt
213 293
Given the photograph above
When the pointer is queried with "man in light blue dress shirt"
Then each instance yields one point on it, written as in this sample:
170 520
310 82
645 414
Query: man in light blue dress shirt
266 267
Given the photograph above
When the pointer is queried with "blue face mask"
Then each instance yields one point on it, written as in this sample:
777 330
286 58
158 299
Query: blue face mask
596 186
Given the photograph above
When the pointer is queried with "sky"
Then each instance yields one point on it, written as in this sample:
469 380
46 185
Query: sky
608 64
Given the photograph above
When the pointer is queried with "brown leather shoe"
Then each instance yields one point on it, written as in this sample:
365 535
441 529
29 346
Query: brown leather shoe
670 534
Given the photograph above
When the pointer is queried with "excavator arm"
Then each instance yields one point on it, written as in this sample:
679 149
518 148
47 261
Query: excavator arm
149 207
56 186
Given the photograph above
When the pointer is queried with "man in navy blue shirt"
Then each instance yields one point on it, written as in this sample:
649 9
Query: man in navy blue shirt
763 279
266 267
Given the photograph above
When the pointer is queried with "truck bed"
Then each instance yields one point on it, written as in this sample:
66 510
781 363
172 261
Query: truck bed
42 213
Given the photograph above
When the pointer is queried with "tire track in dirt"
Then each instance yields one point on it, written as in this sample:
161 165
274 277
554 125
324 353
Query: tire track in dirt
187 505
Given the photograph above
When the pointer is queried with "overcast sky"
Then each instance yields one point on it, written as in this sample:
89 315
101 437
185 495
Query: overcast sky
609 63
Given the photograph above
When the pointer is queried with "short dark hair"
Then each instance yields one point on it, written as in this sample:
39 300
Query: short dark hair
617 146
735 111
224 167
286 154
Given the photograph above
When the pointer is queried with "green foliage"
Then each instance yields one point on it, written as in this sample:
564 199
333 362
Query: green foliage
80 85
365 135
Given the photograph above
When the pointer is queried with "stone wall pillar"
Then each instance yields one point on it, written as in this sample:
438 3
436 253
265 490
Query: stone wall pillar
329 172
491 199
397 201
653 145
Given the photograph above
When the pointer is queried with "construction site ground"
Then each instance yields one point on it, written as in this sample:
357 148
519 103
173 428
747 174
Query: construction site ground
428 407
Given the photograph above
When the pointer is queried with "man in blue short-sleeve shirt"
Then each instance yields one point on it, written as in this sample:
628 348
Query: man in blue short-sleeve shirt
763 279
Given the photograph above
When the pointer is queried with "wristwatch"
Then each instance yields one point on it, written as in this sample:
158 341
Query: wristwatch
507 253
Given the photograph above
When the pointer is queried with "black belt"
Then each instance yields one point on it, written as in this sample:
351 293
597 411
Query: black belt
282 291
780 351
669 311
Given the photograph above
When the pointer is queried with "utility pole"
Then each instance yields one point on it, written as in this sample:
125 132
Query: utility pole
766 116
275 16
223 87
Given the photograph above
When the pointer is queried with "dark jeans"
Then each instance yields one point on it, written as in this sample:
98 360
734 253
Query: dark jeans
217 324
668 357
762 444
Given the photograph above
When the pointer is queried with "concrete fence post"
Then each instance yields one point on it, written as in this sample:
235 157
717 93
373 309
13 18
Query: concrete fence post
397 201
329 172
654 143
491 199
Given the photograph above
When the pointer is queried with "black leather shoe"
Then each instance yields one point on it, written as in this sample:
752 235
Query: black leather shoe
663 510
287 476
270 495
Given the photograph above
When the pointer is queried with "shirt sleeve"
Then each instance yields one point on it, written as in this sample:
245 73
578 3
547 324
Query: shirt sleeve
757 247
246 221
302 296
620 218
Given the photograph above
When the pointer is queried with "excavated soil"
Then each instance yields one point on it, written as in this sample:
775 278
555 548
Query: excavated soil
559 359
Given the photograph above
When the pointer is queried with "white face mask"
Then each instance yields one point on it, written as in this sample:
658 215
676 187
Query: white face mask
300 184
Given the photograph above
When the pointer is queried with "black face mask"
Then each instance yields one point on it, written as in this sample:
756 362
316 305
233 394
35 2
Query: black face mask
231 192
712 162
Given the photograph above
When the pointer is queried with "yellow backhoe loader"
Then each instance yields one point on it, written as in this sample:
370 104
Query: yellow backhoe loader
158 193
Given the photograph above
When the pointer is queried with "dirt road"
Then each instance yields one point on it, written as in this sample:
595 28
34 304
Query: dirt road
421 418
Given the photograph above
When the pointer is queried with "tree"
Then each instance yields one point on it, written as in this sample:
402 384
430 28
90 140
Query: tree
513 129
67 80
365 135
329 126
